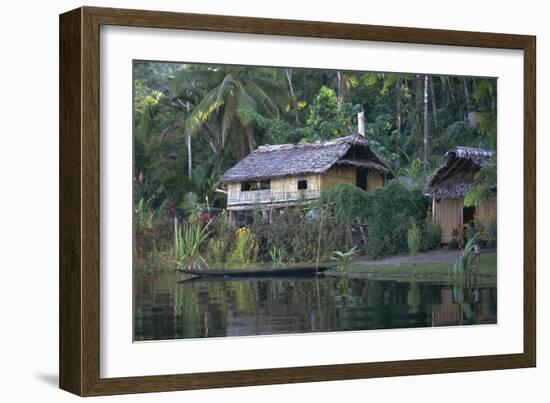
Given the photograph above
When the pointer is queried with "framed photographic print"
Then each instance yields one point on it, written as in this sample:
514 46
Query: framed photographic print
249 201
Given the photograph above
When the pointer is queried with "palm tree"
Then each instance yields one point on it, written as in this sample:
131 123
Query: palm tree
426 126
233 103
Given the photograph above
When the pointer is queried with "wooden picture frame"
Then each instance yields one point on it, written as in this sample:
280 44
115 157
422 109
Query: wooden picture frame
80 184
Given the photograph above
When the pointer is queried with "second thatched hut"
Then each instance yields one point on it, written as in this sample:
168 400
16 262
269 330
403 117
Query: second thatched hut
449 185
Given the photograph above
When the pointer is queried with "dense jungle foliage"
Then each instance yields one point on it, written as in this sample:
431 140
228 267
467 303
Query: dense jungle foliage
194 121
227 111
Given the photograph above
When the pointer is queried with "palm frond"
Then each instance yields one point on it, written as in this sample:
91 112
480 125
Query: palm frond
228 84
259 95
200 114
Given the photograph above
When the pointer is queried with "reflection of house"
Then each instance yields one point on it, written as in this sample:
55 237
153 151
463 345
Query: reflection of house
448 186
275 176
447 313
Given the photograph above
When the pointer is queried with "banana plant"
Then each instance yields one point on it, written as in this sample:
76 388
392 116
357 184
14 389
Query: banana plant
344 259
465 265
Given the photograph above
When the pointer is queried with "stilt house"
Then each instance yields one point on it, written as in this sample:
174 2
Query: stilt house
277 176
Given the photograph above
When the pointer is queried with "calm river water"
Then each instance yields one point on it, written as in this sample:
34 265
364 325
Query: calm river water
166 309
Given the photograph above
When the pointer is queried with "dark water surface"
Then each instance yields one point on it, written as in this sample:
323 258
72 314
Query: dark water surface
166 309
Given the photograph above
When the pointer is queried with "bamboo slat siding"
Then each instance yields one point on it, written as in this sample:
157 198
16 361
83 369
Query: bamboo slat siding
337 175
374 180
487 211
448 214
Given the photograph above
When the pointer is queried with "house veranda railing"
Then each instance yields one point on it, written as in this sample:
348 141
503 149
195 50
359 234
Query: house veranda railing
267 196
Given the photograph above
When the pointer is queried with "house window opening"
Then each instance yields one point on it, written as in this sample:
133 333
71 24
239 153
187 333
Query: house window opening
252 186
302 184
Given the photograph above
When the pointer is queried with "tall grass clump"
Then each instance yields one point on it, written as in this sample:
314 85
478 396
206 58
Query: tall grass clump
216 251
414 238
278 256
188 240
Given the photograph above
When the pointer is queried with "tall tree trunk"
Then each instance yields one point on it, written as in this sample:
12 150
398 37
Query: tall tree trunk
467 98
466 89
398 108
447 88
189 157
434 106
189 149
288 73
185 107
340 89
250 138
417 131
242 145
426 125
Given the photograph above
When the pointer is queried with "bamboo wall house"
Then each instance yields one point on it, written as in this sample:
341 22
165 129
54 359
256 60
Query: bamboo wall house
448 186
277 176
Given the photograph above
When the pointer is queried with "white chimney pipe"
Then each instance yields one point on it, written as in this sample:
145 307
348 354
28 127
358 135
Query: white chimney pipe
361 123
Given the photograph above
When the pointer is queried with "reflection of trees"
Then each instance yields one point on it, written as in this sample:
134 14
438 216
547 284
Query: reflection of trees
165 309
246 307
153 313
414 298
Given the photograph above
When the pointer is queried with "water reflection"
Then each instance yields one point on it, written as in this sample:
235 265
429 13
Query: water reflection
166 309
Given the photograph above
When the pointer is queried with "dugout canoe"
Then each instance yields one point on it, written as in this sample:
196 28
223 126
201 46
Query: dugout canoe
287 272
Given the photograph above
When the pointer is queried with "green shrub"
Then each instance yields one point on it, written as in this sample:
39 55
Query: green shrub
431 234
414 238
143 215
388 212
346 202
153 231
296 233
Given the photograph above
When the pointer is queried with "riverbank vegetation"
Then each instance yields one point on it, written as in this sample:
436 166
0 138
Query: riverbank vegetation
309 233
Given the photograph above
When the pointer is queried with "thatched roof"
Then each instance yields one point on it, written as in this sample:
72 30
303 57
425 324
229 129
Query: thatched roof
456 175
271 161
